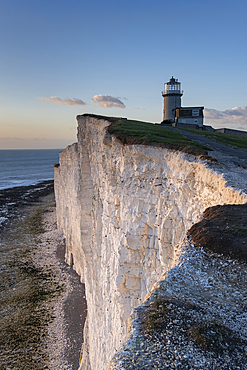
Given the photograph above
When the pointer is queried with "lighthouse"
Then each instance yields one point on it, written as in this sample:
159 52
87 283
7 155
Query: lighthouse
172 99
176 115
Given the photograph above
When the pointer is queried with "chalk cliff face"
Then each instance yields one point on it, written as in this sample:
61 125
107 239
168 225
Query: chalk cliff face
123 210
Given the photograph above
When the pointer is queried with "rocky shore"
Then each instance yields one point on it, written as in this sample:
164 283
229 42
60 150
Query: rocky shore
42 303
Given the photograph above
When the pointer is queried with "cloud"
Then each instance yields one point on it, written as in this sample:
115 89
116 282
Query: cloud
213 114
242 111
107 101
67 101
235 117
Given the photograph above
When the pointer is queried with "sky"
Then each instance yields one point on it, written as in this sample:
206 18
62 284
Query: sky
62 58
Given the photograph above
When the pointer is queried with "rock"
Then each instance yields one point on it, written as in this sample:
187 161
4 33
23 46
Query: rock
124 209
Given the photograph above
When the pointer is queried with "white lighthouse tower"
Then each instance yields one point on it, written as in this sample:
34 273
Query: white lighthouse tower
172 99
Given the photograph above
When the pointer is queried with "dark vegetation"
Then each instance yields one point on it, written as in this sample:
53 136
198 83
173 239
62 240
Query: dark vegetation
223 230
35 226
217 338
26 195
188 321
163 312
13 199
25 290
227 139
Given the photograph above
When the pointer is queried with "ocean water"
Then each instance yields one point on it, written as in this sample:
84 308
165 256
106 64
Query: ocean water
26 167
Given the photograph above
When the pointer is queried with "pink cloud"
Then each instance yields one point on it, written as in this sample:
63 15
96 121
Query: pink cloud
233 118
107 101
67 101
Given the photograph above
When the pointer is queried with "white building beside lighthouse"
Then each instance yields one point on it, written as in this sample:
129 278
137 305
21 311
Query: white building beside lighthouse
173 111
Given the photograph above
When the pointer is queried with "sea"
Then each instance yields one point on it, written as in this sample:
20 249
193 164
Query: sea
26 167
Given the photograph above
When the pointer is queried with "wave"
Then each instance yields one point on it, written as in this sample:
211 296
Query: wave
19 183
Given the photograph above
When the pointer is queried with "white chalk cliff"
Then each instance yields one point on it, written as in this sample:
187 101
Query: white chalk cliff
123 210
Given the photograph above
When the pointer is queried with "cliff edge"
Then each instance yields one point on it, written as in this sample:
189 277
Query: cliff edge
125 211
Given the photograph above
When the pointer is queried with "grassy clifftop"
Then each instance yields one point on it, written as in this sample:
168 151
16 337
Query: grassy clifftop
138 132
227 139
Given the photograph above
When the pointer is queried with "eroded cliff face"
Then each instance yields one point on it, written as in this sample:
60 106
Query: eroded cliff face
123 210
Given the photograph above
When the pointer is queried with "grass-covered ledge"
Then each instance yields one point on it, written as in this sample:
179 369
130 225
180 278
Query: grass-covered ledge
227 139
138 132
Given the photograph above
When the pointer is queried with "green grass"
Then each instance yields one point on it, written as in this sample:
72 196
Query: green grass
147 132
227 139
158 317
241 231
